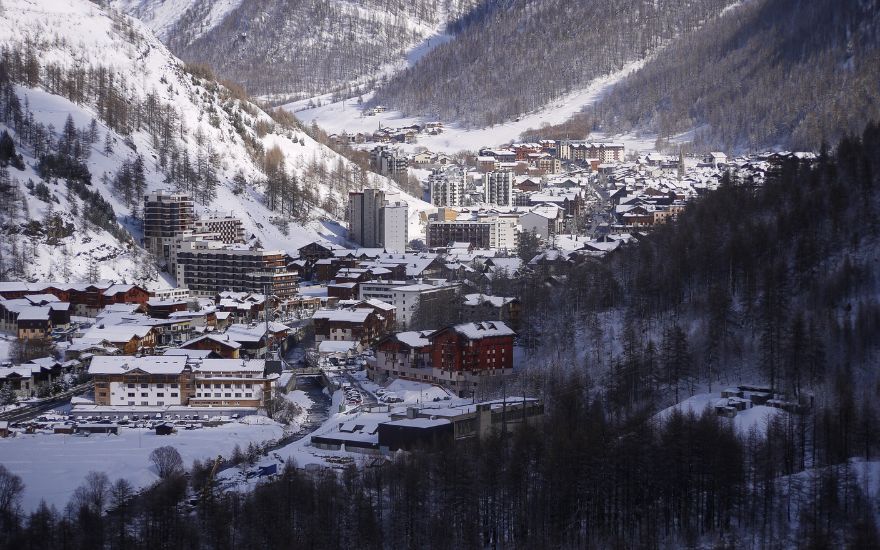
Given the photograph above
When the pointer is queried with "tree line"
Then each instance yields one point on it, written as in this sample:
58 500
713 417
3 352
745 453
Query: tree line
580 479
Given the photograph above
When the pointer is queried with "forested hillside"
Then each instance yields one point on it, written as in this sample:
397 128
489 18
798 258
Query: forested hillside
769 73
296 49
514 56
100 100
792 265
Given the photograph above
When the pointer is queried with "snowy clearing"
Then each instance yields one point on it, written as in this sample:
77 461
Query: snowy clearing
53 466
758 416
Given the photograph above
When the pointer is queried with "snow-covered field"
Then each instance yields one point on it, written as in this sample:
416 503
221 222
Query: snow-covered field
53 466
346 116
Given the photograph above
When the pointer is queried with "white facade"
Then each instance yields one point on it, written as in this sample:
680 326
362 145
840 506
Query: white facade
395 226
498 188
144 394
448 187
504 234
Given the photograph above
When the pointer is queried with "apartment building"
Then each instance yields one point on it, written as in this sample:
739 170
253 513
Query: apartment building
406 296
448 187
209 267
377 220
498 188
458 357
227 229
165 215
166 380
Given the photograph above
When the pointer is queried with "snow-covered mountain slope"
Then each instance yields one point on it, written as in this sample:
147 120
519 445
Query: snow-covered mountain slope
297 49
162 16
73 58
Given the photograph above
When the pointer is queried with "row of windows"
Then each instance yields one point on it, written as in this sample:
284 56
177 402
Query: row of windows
157 385
218 394
160 394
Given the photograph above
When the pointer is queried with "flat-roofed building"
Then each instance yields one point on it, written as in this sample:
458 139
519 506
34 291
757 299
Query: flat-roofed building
209 267
165 215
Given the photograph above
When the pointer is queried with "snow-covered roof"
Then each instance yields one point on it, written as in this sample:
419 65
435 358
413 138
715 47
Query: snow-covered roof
152 364
252 333
354 315
116 289
34 313
484 329
223 339
414 338
479 299
379 304
189 353
230 365
116 333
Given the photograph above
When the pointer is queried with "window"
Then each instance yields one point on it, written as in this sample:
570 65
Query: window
145 385
248 394
131 394
131 403
144 403
160 385
144 394
131 385
238 394
174 385
174 394
160 394
227 395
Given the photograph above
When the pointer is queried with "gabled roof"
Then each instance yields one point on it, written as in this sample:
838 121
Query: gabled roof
116 289
34 313
222 339
353 315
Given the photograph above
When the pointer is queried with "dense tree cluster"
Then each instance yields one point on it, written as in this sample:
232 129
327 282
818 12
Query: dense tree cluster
514 56
765 74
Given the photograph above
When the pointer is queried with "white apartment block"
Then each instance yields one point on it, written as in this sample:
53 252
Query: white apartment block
406 296
448 187
498 188
161 380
